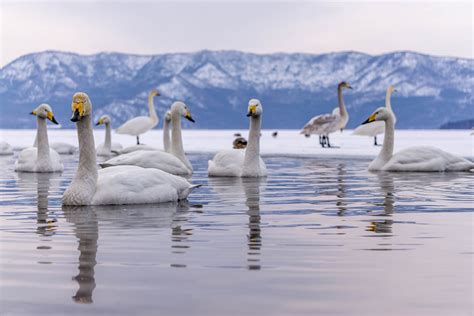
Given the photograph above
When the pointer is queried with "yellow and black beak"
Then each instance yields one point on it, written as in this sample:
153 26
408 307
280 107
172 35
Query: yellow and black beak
370 119
189 117
33 113
51 118
75 116
252 110
99 122
77 111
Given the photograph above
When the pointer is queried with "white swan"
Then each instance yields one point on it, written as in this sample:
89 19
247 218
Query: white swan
115 185
106 148
325 124
174 162
420 158
5 149
377 127
141 124
60 147
238 162
40 158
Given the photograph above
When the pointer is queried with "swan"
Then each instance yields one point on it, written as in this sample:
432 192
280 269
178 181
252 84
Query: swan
40 158
141 124
377 127
115 185
60 147
238 162
5 149
174 162
420 158
325 124
105 148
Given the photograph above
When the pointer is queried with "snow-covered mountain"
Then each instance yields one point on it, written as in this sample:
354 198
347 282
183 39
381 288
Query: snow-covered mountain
217 85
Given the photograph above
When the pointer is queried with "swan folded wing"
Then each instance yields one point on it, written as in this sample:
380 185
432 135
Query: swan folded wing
227 163
135 185
425 159
27 161
319 124
150 159
370 129
133 148
136 126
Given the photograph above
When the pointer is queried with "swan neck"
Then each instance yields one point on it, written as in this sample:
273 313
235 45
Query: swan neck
42 142
386 152
388 103
177 149
151 109
166 136
87 169
252 152
108 137
341 104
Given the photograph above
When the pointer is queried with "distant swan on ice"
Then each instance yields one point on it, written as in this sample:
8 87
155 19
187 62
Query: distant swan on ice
420 158
238 162
41 158
141 124
377 127
174 162
5 149
325 124
115 185
106 148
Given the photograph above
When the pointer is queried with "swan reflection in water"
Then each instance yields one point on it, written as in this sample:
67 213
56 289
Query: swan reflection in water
387 188
247 189
86 220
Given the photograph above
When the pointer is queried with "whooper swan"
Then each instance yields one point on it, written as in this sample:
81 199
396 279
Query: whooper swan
106 148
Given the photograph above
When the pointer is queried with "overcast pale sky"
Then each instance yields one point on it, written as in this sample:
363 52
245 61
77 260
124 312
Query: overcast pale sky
441 28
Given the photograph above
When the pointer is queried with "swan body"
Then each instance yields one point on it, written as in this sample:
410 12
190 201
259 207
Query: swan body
5 149
133 148
420 158
239 162
141 124
115 185
174 162
63 148
325 124
377 127
107 147
41 158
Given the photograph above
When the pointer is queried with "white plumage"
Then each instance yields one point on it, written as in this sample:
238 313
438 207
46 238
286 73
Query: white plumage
229 163
5 149
108 147
63 148
141 124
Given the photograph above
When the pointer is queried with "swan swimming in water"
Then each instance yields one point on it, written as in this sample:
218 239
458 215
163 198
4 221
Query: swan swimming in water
5 149
40 158
141 124
106 148
325 124
420 158
115 185
238 162
377 127
174 162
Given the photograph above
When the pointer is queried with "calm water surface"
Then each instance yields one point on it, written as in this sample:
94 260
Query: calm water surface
318 236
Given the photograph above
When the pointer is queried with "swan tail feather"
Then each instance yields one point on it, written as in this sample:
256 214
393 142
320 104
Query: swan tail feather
184 194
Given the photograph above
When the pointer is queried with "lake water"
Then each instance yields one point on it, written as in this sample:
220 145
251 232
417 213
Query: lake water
318 236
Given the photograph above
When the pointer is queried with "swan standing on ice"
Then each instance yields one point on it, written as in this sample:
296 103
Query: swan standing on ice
174 162
40 158
238 162
325 124
377 127
420 158
105 148
115 185
141 124
5 149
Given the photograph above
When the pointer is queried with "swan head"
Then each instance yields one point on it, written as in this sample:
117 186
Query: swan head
44 111
391 89
255 108
81 106
154 93
182 109
104 119
381 114
168 116
344 85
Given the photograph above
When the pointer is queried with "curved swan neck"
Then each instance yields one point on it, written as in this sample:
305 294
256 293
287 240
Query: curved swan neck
42 140
166 136
341 104
108 137
388 103
86 175
151 109
176 139
388 141
252 152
